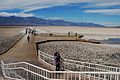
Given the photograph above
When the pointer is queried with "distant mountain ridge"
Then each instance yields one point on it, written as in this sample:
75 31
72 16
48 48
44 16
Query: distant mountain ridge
33 21
117 27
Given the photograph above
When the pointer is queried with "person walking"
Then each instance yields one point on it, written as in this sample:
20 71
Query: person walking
26 30
28 38
57 58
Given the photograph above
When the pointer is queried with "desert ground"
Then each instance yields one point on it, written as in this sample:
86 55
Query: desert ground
89 33
82 50
9 31
96 53
8 37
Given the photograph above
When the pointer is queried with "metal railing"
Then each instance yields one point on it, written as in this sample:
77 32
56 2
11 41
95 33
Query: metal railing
78 65
24 71
27 71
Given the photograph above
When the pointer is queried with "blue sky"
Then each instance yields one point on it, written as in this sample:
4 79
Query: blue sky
106 12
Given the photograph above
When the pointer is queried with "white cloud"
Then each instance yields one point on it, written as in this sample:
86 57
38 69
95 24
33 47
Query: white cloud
101 5
48 3
30 5
105 11
39 6
16 14
107 4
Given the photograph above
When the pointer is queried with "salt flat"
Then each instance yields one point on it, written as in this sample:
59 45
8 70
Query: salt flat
6 32
89 33
93 51
8 37
96 53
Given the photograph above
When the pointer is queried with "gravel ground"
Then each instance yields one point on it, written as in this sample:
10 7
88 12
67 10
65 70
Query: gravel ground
82 51
8 37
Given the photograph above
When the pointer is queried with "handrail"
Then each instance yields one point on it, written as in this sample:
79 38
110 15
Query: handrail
45 74
95 66
27 64
66 61
66 74
5 74
17 68
57 71
27 71
78 61
67 71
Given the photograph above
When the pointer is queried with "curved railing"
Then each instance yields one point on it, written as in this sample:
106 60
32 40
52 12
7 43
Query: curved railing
24 71
78 65
27 71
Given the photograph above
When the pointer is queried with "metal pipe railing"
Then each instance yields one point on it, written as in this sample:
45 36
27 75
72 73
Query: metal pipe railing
37 73
30 72
78 65
27 71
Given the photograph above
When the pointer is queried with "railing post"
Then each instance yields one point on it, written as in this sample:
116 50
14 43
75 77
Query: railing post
27 72
46 74
118 77
89 77
80 76
104 77
98 76
94 77
15 70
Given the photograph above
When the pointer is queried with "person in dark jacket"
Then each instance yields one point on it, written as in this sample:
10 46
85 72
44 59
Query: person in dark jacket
57 58
28 38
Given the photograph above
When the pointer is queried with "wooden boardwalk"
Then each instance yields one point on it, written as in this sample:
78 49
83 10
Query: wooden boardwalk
24 51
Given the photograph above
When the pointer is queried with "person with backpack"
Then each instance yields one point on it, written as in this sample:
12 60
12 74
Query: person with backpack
57 61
